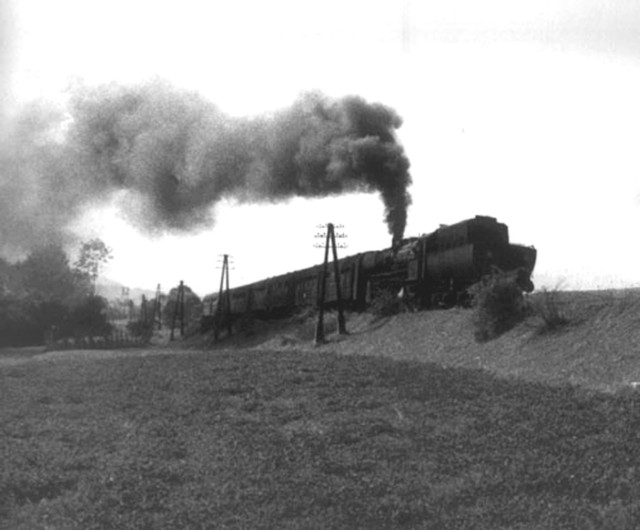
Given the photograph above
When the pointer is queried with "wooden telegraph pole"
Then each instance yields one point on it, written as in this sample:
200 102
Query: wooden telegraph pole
330 240
223 311
342 328
322 291
178 310
143 310
157 308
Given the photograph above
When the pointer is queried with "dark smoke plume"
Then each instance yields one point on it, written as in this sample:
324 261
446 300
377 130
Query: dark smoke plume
175 155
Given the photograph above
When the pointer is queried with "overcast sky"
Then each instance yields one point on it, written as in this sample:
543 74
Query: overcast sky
525 111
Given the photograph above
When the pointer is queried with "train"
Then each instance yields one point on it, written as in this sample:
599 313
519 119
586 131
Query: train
432 270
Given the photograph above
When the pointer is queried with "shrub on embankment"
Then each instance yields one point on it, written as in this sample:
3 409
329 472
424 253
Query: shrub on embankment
498 306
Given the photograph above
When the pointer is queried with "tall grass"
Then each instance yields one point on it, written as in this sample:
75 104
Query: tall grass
547 306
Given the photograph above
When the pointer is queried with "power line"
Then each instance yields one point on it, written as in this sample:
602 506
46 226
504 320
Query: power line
321 236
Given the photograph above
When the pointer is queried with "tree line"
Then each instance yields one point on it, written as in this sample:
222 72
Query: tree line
47 295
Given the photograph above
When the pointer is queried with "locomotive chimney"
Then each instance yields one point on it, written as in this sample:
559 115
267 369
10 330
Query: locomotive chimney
395 243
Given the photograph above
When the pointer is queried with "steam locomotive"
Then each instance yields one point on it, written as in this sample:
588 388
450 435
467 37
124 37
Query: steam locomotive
436 269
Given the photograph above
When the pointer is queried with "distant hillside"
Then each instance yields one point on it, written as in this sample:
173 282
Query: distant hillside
113 290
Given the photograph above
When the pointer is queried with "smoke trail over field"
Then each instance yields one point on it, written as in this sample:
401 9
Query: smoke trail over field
176 155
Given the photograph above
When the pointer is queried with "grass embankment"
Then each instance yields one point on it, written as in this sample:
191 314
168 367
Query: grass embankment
308 440
598 347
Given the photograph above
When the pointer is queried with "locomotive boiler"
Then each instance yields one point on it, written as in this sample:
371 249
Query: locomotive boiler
436 269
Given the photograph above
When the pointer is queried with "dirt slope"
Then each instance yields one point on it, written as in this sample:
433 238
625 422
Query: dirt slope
599 348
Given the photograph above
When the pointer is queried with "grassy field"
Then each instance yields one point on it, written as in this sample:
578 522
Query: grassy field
254 439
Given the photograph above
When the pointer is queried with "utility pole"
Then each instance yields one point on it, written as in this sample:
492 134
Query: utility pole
178 310
342 328
157 308
330 240
223 311
126 305
143 311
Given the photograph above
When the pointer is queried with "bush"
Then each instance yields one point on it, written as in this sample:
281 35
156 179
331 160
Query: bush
385 303
18 324
499 306
140 329
192 306
547 307
89 318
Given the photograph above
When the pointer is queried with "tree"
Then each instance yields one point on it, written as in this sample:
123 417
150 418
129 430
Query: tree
46 275
46 290
93 255
192 306
44 294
